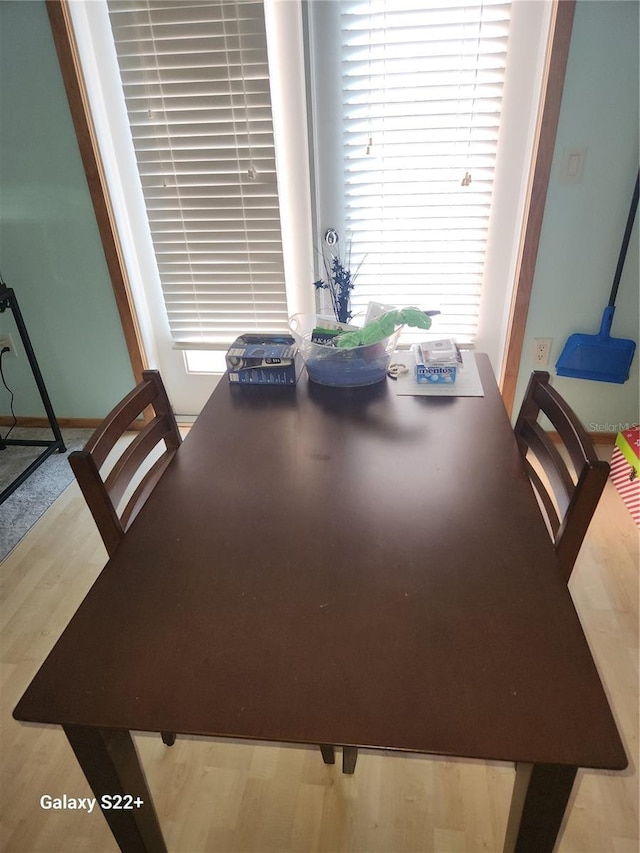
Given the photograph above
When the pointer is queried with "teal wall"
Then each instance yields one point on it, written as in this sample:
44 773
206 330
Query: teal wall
50 250
584 223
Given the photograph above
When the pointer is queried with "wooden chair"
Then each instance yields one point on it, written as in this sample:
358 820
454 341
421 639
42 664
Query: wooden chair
104 495
568 497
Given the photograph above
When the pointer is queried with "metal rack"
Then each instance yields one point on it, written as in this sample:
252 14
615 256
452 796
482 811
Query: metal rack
9 301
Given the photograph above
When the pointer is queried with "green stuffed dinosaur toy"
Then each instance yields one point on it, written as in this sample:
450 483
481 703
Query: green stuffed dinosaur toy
383 326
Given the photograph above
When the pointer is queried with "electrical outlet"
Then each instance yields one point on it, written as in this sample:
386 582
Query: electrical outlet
542 351
7 341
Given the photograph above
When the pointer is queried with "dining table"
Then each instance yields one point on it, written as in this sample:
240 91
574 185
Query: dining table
347 567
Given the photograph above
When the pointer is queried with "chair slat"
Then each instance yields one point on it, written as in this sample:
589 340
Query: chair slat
134 456
549 506
571 432
104 495
119 419
144 489
568 502
551 462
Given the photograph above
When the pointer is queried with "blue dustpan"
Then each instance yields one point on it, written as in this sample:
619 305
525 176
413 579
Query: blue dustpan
600 356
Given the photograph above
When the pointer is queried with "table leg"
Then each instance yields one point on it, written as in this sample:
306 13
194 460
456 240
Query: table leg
109 760
349 758
328 753
540 796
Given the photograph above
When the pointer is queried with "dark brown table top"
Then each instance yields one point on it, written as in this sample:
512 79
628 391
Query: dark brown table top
339 566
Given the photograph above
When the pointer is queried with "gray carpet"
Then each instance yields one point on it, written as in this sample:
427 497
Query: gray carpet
23 508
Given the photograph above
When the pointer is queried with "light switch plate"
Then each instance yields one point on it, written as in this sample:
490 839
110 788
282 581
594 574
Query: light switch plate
572 168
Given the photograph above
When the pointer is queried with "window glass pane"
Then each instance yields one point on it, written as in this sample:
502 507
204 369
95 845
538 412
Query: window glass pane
196 86
205 361
421 95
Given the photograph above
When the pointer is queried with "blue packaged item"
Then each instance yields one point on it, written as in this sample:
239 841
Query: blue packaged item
255 359
437 362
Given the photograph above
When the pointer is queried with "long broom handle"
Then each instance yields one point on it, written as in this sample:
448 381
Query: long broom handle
625 242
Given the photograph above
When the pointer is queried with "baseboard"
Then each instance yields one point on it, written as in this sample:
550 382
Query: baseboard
63 423
68 423
603 437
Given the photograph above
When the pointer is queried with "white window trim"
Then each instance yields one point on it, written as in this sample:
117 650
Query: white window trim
91 29
522 101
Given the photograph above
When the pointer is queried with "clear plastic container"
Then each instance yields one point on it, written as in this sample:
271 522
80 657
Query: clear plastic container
346 368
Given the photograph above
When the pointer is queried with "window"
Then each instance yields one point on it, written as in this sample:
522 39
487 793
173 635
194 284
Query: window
529 29
421 91
196 86
415 119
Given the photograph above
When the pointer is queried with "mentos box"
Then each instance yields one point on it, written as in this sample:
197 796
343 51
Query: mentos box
255 359
437 362
430 373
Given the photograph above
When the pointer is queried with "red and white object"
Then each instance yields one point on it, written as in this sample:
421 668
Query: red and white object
625 469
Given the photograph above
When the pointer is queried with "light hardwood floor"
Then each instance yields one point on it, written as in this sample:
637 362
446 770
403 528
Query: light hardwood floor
246 798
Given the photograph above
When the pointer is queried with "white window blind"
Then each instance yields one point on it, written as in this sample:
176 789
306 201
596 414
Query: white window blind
422 89
196 85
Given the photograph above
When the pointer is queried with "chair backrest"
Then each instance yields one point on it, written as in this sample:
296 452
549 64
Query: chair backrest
104 494
568 494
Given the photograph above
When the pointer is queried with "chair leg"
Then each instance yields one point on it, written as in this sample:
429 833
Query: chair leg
349 758
328 753
168 738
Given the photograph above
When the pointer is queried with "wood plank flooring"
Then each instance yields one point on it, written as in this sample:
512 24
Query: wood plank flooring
221 797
